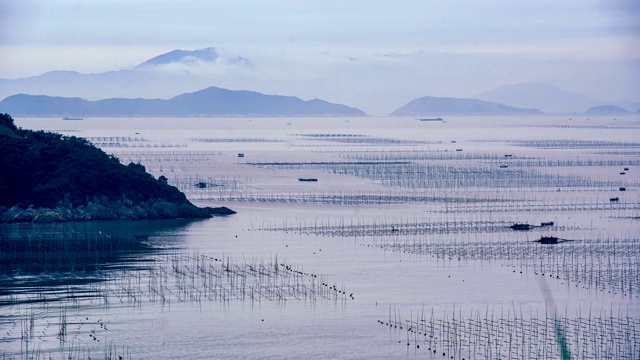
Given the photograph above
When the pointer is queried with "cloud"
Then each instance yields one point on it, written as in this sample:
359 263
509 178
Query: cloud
337 49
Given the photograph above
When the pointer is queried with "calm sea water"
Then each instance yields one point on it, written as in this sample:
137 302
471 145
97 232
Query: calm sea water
401 248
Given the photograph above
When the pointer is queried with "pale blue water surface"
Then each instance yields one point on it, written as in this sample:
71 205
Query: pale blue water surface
401 248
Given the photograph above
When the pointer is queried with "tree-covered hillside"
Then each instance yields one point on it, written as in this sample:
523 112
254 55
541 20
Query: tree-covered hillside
47 170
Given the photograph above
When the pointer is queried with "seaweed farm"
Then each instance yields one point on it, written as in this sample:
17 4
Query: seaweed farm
354 238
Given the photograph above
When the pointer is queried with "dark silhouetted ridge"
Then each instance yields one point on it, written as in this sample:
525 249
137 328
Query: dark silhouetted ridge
51 177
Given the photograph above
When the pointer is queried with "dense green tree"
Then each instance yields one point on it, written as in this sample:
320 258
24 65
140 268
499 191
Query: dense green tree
43 169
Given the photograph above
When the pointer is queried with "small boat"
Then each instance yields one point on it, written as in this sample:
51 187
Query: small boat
550 223
614 199
241 155
72 118
504 166
307 179
432 119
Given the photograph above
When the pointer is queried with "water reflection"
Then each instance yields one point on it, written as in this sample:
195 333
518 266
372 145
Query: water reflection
43 262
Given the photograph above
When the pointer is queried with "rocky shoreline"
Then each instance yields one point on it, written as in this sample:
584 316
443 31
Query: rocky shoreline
108 210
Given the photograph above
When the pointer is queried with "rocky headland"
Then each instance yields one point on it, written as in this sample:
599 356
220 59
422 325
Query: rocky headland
49 177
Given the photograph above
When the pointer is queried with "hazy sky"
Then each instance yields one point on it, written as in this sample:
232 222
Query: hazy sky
342 50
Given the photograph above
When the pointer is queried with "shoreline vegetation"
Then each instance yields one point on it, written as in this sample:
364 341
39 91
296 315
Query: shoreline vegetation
48 177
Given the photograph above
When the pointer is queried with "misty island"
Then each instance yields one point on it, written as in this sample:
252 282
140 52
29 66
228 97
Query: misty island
49 177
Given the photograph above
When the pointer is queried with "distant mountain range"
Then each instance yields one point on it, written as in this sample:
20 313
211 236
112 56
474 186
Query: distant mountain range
608 110
164 76
438 106
540 96
547 97
189 57
211 101
185 71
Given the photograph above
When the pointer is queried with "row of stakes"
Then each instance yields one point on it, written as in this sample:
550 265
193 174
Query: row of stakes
512 336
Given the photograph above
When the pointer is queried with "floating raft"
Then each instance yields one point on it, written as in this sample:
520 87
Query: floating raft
522 226
519 226
550 240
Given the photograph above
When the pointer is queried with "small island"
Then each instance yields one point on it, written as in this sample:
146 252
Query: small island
606 110
49 177
429 105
